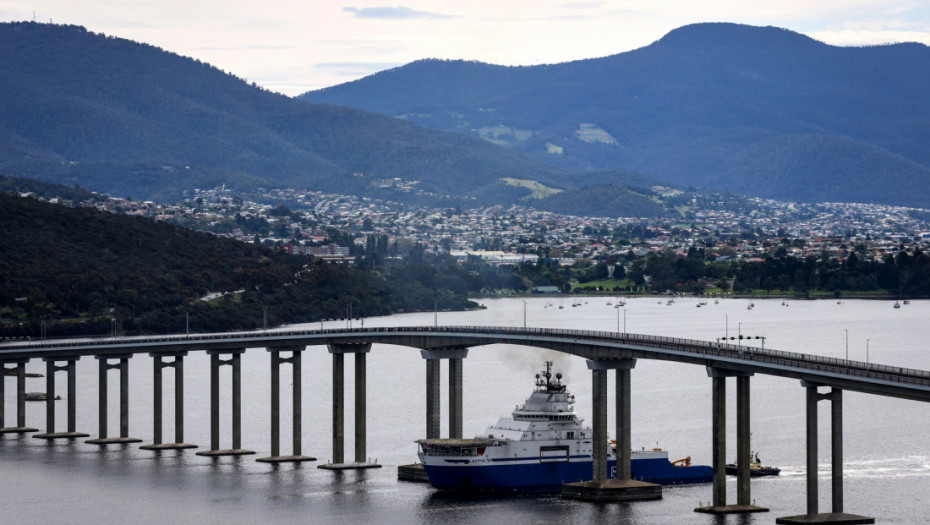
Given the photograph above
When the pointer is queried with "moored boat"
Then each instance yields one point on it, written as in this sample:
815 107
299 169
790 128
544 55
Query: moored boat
541 447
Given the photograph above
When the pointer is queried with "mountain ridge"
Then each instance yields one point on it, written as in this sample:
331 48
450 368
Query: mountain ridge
686 107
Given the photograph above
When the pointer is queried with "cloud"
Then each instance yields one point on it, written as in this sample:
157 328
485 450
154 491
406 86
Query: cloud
392 13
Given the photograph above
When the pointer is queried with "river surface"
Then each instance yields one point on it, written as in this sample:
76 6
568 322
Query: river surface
886 447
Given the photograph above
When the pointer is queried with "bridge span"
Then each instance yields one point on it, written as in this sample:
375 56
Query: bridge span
603 351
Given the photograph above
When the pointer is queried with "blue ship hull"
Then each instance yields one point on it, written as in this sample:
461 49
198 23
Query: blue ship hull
536 476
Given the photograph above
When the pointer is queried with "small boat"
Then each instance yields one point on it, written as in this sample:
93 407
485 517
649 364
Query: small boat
897 304
756 469
907 301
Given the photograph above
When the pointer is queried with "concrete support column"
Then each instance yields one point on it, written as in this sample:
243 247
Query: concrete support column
432 399
50 369
455 397
812 495
338 408
276 361
123 367
743 452
237 401
20 428
360 407
338 462
235 362
599 403
836 448
158 364
719 437
623 419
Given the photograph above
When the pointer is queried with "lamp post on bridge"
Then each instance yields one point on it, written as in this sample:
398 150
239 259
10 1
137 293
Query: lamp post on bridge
524 314
867 350
847 343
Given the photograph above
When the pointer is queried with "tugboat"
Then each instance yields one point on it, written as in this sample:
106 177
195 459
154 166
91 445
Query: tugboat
541 447
756 469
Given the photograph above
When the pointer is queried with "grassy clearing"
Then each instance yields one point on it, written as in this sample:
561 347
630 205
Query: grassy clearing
540 191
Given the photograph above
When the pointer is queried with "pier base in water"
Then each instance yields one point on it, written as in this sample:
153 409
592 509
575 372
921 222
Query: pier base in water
285 459
168 446
355 465
731 509
833 518
612 490
226 452
60 435
412 472
17 430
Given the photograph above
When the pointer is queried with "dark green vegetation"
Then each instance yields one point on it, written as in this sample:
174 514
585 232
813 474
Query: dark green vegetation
901 275
757 111
133 120
75 269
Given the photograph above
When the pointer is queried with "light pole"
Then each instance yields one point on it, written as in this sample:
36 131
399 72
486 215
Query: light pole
624 321
739 333
727 320
524 314
867 350
847 343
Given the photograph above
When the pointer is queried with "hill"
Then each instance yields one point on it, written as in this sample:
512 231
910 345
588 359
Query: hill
75 269
756 110
133 120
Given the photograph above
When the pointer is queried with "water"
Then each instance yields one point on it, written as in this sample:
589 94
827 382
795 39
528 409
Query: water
886 448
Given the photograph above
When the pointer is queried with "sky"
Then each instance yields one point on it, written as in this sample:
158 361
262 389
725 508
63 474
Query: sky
294 46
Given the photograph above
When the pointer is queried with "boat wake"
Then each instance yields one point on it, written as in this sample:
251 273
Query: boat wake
911 466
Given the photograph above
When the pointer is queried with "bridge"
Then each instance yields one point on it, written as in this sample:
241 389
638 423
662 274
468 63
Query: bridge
603 351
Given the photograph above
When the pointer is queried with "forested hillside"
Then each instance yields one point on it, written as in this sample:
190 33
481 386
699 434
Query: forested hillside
75 269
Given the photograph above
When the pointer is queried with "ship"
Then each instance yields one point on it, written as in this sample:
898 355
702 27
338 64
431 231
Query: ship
542 446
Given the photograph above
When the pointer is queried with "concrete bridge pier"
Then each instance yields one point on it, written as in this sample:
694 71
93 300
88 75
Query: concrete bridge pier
414 472
19 365
338 462
50 369
294 361
158 365
719 445
433 404
601 487
123 367
215 363
835 396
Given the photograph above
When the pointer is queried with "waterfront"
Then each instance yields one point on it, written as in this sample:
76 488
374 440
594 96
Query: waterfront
887 464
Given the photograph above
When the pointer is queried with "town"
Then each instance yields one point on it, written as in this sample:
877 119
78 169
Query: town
333 226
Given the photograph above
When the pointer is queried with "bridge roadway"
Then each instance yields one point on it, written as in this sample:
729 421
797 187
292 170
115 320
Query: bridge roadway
603 351
871 378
